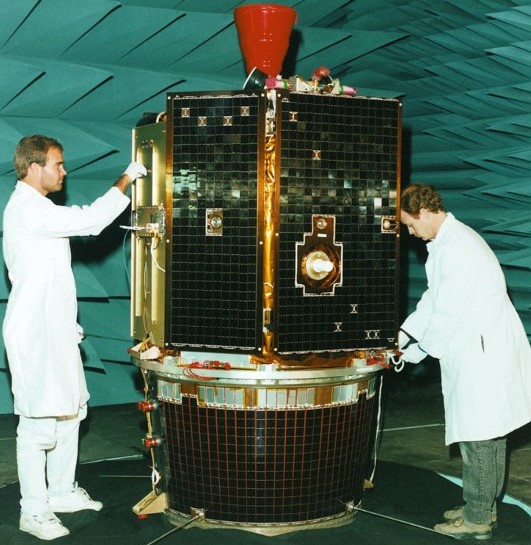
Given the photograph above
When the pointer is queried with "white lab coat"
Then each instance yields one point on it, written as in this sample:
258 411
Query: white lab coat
466 320
40 327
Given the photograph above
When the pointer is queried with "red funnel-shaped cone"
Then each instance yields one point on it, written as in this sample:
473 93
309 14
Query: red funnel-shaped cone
264 31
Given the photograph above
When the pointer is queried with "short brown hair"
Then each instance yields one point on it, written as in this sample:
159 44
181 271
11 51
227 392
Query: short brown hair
33 149
418 196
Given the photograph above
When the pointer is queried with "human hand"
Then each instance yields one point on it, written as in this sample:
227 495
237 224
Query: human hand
135 170
413 354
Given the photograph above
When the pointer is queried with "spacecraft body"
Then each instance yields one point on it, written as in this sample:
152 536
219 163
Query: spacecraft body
264 282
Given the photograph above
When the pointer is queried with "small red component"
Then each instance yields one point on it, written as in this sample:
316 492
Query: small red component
320 72
147 406
151 442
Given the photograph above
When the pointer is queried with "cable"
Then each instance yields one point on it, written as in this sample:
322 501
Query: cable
155 478
200 515
152 249
399 367
155 475
146 318
126 268
132 227
378 431
403 522
397 361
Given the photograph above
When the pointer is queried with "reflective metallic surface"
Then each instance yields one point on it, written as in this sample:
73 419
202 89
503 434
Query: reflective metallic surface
150 216
269 450
272 264
275 165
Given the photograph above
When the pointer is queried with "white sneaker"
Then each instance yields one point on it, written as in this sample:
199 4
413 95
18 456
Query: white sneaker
46 526
75 500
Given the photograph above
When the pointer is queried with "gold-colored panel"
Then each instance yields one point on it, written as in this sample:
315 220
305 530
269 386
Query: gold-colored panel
148 242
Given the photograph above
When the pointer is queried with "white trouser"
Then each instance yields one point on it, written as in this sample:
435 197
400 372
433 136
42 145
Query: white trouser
47 450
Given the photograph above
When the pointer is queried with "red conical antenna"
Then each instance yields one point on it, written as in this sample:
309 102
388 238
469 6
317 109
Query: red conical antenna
263 32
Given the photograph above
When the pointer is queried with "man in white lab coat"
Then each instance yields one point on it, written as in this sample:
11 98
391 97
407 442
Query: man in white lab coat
466 320
41 333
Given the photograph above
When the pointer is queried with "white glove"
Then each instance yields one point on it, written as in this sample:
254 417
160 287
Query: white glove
403 339
413 354
135 170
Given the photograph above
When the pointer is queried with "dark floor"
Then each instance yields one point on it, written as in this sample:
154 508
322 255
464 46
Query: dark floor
411 434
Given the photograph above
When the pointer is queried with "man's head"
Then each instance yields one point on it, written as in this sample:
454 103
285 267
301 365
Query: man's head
39 162
422 210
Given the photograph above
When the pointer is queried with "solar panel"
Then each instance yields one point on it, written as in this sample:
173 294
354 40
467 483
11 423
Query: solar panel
265 184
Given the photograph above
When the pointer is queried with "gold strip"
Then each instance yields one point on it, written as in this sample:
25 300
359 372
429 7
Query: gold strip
268 293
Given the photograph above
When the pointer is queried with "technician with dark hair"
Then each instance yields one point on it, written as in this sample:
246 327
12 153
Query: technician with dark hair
41 332
466 319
